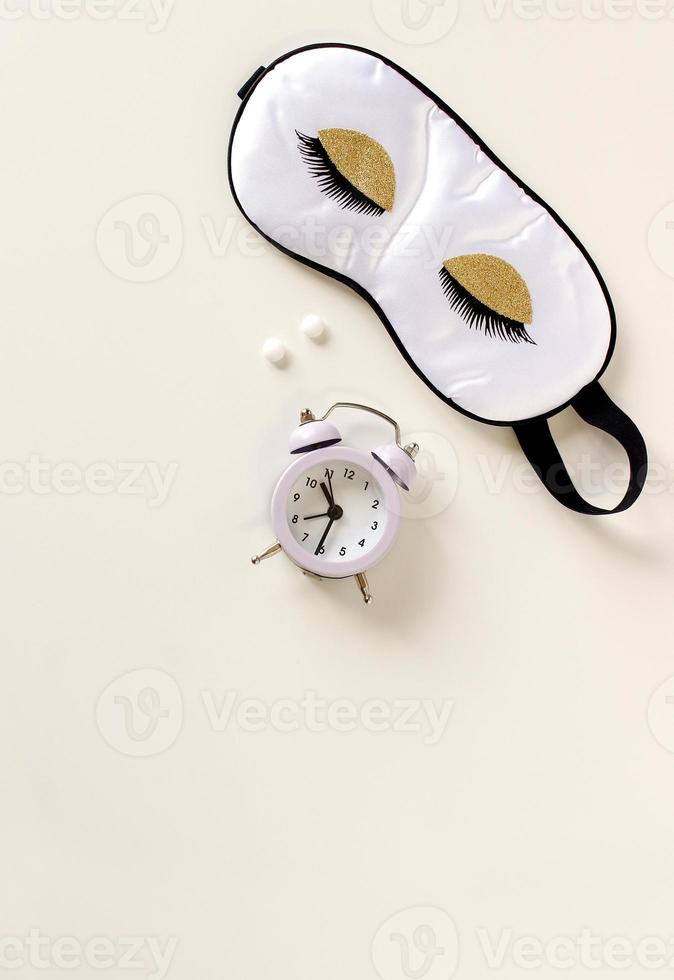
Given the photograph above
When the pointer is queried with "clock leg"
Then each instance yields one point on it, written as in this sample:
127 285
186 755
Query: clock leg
274 550
364 588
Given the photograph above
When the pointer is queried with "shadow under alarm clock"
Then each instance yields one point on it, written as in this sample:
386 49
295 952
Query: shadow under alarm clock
336 510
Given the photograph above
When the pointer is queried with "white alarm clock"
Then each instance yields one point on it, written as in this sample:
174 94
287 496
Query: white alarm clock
336 510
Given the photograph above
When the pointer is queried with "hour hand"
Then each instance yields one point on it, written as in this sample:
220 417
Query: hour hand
328 495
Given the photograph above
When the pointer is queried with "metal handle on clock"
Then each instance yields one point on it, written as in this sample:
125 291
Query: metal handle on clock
372 411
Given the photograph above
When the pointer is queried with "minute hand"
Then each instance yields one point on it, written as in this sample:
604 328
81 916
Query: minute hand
325 534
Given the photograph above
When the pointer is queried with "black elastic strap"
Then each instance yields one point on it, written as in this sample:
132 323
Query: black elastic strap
247 86
596 408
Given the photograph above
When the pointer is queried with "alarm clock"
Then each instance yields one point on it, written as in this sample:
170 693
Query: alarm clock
336 510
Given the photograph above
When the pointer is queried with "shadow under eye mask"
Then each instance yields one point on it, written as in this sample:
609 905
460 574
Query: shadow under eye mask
489 296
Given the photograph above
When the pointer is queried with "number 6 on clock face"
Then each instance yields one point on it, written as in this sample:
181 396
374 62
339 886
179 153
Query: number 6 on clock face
336 512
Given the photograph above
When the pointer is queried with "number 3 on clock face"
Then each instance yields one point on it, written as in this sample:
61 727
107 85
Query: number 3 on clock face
336 512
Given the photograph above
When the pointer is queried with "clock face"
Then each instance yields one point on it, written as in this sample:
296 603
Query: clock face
336 511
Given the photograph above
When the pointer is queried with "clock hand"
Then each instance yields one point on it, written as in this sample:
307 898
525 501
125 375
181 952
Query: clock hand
328 495
312 517
332 492
325 534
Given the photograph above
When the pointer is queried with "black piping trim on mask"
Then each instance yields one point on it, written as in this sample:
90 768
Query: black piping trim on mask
362 292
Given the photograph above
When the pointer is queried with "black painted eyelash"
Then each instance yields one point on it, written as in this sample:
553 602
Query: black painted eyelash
477 315
330 181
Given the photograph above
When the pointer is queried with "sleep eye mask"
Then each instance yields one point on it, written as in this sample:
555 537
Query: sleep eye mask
345 162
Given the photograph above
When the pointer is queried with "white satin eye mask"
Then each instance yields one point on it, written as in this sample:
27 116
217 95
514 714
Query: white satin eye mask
350 165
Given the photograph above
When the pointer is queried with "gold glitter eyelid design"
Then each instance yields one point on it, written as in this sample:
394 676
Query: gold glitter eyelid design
363 162
494 283
490 295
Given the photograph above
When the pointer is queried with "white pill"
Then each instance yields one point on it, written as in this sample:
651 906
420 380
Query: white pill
313 326
274 350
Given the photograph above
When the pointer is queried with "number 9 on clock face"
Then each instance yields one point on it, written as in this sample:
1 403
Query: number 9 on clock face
336 511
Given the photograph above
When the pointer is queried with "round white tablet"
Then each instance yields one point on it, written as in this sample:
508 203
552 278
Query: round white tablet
313 326
274 350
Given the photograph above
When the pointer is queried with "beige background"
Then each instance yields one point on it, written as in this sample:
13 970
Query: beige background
545 805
